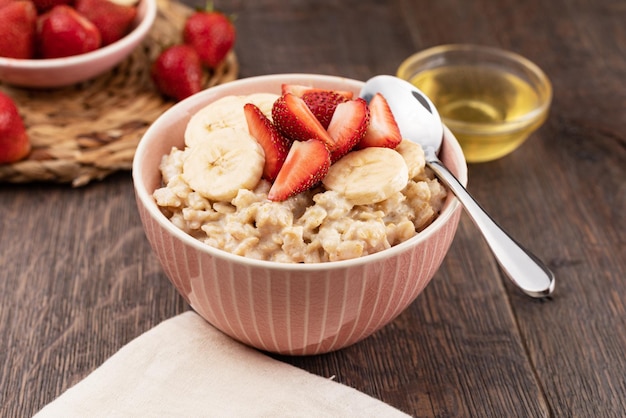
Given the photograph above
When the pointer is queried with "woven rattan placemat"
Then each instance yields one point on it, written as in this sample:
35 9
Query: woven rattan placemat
88 131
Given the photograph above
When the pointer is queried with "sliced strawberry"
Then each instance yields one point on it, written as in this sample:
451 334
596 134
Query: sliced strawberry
275 145
294 119
348 126
383 130
323 103
299 90
306 165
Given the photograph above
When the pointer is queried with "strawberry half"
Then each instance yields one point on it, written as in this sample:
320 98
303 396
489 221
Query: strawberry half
322 104
275 145
348 126
294 119
306 165
383 131
299 90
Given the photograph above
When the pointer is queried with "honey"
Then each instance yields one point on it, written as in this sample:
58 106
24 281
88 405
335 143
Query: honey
490 111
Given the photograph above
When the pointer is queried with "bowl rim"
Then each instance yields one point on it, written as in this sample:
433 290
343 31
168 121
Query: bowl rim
147 201
536 114
54 63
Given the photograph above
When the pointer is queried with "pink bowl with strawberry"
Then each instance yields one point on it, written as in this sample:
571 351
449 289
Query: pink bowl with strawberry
58 72
294 309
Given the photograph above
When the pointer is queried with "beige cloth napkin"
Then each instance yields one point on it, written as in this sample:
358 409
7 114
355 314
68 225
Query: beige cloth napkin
186 368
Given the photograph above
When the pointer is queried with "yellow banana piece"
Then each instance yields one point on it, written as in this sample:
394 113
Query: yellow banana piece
226 112
413 155
222 162
369 175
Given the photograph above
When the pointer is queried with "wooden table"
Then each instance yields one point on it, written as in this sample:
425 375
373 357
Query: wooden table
78 279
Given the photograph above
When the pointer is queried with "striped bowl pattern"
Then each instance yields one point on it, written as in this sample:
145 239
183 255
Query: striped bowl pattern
294 309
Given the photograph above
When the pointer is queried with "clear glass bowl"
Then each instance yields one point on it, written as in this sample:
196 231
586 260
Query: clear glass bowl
491 99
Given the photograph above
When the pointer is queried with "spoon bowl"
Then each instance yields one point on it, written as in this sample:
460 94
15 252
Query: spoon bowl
419 122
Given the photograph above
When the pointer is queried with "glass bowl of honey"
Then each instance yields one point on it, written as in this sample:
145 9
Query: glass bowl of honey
491 99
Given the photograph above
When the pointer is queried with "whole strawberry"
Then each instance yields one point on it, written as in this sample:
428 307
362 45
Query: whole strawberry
63 32
212 34
45 5
18 21
14 143
177 72
112 20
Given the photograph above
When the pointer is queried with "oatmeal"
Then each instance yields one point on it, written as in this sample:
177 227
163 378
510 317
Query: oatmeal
330 221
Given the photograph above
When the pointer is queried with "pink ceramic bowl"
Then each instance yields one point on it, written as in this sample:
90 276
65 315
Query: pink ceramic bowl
58 72
295 309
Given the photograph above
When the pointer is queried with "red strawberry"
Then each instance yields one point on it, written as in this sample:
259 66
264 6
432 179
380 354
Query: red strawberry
14 143
63 32
348 126
383 130
18 22
45 5
322 104
177 72
299 90
112 20
294 119
212 34
275 145
306 165
5 2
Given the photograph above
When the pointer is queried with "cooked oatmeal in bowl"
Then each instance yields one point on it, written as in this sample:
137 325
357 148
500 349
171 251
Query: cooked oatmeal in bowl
317 225
297 264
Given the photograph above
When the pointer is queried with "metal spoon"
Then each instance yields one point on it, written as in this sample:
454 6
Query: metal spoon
419 122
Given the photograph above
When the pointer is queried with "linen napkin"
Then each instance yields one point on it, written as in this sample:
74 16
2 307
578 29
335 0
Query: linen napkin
184 367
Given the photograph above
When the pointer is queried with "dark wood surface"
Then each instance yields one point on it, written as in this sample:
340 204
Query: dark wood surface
78 279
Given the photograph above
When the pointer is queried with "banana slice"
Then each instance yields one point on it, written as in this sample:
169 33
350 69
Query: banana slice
413 155
226 112
263 101
369 175
222 162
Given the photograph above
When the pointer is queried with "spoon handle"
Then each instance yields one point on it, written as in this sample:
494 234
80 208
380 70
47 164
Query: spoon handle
520 265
